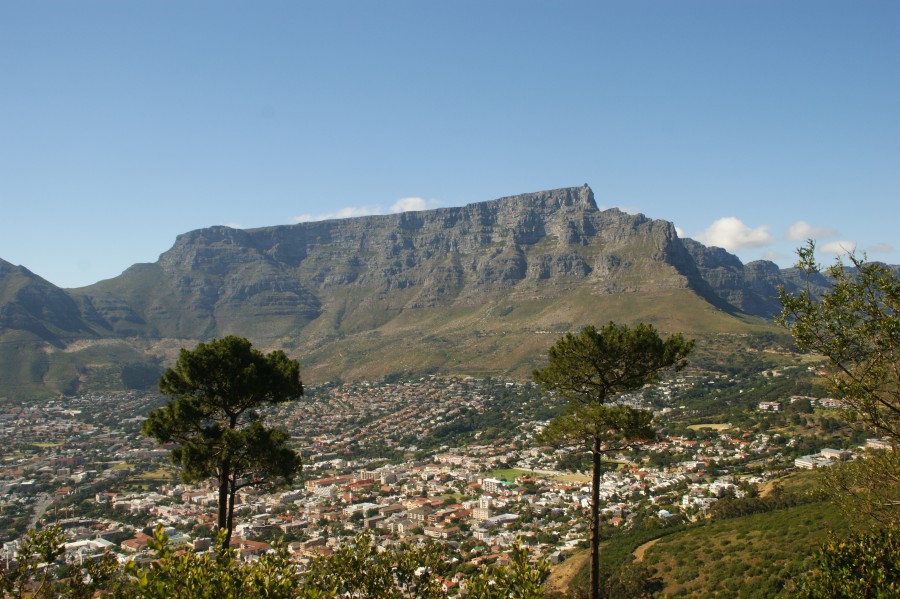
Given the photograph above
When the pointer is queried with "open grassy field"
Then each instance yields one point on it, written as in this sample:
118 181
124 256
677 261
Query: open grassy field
509 474
716 426
163 474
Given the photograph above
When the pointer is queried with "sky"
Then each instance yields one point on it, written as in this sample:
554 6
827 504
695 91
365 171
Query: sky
751 125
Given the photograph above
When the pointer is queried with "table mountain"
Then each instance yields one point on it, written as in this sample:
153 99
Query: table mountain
485 287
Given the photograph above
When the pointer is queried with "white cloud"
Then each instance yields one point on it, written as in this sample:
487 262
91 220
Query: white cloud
802 230
413 204
348 212
401 205
233 225
731 234
880 248
680 232
838 247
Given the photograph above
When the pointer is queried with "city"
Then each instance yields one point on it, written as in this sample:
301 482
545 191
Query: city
403 460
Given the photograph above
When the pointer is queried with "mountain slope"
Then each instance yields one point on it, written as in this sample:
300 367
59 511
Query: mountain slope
480 288
29 303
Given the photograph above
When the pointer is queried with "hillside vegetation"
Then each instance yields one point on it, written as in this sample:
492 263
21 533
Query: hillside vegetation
731 555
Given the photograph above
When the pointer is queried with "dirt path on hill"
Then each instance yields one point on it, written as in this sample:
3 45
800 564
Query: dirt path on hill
561 575
642 549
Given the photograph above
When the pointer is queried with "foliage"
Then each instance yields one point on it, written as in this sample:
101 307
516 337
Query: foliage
213 418
211 575
360 569
631 581
621 578
140 376
41 558
616 427
735 507
863 565
867 490
518 580
594 366
27 577
745 556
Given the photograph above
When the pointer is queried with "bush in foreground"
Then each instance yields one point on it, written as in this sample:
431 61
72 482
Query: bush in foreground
359 570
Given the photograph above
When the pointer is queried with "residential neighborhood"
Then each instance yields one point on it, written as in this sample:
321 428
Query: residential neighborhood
375 460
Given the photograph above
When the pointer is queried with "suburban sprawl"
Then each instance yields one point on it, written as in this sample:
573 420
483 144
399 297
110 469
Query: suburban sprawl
449 460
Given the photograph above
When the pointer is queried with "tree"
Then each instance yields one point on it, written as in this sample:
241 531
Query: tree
855 325
591 369
867 564
214 423
519 580
220 574
362 569
26 577
41 558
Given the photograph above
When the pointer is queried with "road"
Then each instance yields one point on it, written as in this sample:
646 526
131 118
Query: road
43 502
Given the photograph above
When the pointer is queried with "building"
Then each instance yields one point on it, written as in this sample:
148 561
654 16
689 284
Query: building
883 444
483 511
836 454
810 462
491 485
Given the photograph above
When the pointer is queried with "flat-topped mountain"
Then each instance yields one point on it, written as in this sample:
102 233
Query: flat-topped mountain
480 288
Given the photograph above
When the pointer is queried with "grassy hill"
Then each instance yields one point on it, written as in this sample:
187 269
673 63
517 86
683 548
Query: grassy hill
750 556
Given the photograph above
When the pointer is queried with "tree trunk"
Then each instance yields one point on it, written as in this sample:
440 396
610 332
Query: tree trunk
222 522
231 495
595 520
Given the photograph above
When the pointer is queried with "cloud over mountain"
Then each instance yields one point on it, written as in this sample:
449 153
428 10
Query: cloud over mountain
838 247
402 205
731 234
802 230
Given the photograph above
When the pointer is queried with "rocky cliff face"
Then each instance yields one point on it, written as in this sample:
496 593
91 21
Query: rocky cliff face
751 288
534 244
415 288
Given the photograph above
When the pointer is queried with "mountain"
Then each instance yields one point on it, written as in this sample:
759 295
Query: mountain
482 288
32 305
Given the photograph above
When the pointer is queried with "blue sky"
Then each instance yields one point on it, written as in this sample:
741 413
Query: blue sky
750 125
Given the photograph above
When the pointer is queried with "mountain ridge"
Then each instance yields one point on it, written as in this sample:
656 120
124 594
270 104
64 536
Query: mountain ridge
461 288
